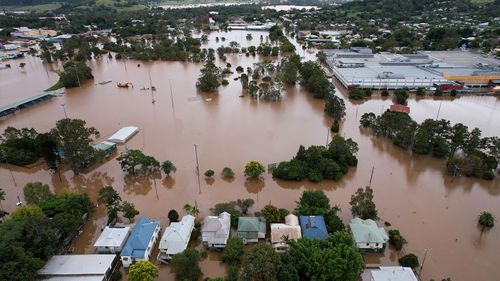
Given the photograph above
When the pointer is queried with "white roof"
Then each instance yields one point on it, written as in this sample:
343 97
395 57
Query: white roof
81 265
217 228
393 273
278 230
176 237
123 134
112 237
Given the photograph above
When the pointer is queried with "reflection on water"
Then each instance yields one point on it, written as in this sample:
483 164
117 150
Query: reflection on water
430 208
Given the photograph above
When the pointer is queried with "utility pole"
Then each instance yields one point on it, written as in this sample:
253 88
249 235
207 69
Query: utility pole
4 157
426 251
371 176
64 109
327 137
196 154
439 110
171 94
151 88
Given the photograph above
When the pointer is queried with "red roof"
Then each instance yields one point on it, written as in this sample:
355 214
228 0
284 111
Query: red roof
400 108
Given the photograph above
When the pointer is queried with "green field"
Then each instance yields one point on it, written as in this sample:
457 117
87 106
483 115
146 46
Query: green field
33 8
482 1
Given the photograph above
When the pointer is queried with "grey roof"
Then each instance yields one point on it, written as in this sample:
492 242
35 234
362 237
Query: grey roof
367 231
112 237
77 265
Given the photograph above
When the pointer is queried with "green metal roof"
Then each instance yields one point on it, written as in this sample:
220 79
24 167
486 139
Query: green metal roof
248 224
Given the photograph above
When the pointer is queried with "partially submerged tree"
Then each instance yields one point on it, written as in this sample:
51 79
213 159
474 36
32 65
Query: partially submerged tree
409 260
362 204
245 204
186 265
234 250
173 216
486 220
168 167
209 173
36 192
227 173
129 211
254 169
134 162
112 200
74 140
210 77
192 210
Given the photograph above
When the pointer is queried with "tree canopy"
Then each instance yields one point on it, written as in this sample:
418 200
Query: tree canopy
362 204
142 271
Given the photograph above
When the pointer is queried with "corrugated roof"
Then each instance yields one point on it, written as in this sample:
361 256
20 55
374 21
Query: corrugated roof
367 231
139 239
83 265
176 237
112 237
313 227
393 273
248 224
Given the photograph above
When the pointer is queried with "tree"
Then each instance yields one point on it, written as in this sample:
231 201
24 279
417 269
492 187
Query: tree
210 77
192 210
244 81
129 210
367 119
334 106
362 204
273 214
261 263
486 220
233 251
168 167
227 173
254 169
401 96
36 192
142 271
396 239
74 139
409 260
336 258
135 162
230 208
209 173
173 216
312 203
28 211
245 204
112 200
74 74
186 265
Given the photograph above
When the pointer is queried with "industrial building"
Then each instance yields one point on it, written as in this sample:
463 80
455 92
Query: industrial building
443 70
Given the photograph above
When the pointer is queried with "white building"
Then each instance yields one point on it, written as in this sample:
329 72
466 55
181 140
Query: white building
393 273
368 236
123 135
78 268
112 239
215 230
280 232
176 238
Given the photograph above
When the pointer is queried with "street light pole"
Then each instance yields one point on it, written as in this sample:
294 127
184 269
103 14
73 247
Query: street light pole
426 251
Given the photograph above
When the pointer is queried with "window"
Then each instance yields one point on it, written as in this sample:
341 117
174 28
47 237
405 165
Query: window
367 244
376 244
125 259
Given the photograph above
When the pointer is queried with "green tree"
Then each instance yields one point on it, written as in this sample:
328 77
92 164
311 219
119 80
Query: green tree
229 207
210 77
36 192
186 265
74 74
2 198
334 106
261 263
486 220
254 169
28 211
142 271
209 173
233 251
273 214
409 260
129 211
396 239
168 167
337 258
227 173
401 96
173 216
245 204
74 139
244 81
110 197
192 210
134 162
362 204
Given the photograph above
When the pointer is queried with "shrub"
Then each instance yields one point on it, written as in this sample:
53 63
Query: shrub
385 93
409 260
227 172
209 173
396 239
173 216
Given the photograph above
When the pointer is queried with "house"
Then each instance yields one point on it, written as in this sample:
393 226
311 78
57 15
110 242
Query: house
215 230
140 243
313 227
112 239
280 232
393 273
176 238
251 229
368 236
78 268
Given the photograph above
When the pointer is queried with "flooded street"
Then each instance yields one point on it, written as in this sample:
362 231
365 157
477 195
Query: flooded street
432 210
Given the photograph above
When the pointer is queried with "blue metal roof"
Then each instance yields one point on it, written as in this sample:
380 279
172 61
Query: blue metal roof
313 227
138 241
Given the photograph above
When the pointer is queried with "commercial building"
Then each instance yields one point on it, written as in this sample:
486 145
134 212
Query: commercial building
78 268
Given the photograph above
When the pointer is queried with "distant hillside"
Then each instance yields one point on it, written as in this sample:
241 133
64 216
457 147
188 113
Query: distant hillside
34 2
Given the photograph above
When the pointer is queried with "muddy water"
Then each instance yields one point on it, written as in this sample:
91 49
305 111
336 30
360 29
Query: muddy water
431 209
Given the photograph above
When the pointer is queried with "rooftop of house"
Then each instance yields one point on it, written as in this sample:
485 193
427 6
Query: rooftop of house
138 241
313 227
367 231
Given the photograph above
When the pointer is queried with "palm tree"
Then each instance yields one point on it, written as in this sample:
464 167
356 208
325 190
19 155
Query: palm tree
192 210
486 220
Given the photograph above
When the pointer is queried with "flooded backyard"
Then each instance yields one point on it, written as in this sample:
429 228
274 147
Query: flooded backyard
431 209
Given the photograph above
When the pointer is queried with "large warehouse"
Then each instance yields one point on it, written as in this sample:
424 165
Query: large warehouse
393 71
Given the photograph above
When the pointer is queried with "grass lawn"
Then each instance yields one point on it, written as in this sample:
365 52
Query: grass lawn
34 8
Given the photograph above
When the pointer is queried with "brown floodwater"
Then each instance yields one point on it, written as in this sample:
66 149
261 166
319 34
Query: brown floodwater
432 210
